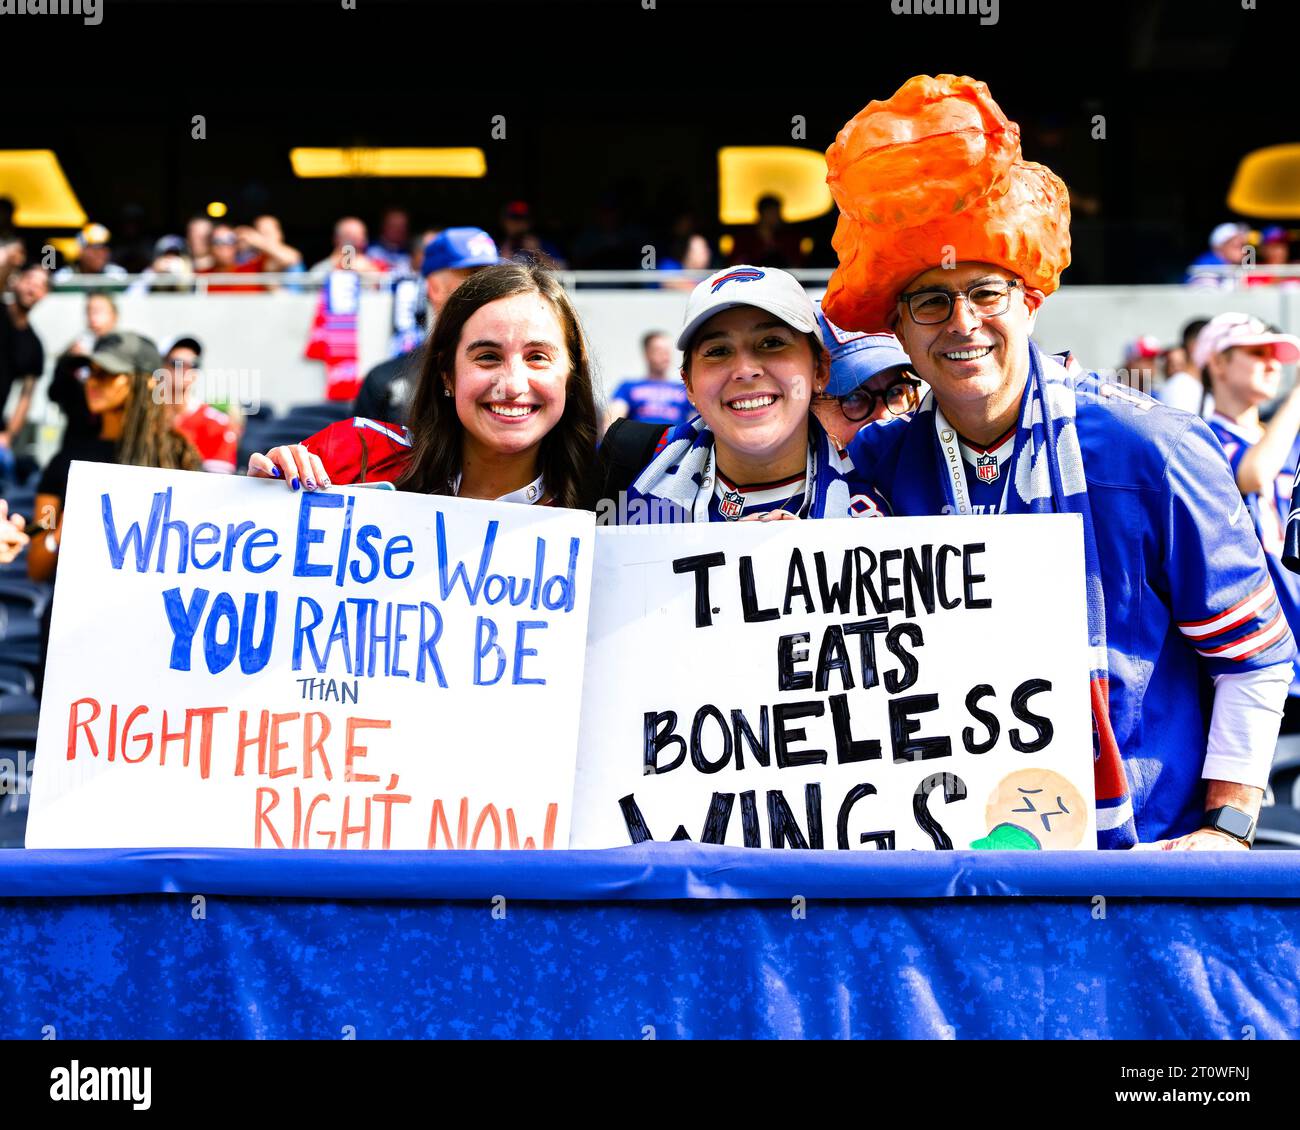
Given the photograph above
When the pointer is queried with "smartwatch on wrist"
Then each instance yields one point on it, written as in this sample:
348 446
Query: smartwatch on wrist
1232 822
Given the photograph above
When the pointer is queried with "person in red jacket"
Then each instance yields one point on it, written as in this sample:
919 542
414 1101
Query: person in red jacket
504 408
214 434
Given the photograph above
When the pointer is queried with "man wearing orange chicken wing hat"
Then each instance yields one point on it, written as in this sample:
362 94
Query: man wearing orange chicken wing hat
950 239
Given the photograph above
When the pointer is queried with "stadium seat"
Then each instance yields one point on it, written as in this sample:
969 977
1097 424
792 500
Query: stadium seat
21 500
15 686
278 433
291 429
279 426
18 730
25 653
14 764
1284 777
15 679
29 596
332 410
1279 819
17 624
1279 828
18 704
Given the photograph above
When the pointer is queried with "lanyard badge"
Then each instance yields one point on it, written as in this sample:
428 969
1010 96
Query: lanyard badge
954 470
987 469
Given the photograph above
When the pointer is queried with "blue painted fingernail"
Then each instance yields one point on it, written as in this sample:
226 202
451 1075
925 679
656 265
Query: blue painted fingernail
294 484
275 473
310 485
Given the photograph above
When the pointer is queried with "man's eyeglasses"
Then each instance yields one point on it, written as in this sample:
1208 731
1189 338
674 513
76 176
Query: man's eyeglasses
986 299
899 398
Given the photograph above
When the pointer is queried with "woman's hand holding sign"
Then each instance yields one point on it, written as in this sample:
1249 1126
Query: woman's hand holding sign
294 464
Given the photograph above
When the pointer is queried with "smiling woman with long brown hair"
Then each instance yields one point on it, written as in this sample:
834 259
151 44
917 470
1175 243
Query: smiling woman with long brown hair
504 408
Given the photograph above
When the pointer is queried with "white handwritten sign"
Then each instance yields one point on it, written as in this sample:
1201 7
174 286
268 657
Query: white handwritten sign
901 683
232 665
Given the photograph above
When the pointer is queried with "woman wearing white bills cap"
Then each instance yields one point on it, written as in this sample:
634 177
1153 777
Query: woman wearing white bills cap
1242 360
753 361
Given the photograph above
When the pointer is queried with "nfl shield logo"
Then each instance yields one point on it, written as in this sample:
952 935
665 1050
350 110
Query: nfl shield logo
733 502
986 467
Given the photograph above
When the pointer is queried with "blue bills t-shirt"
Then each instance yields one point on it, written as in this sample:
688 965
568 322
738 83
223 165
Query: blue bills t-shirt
653 401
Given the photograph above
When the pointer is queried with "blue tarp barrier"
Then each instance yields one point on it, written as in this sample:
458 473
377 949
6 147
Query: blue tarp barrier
669 940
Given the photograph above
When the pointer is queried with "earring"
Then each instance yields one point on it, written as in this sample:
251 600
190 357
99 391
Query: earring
446 392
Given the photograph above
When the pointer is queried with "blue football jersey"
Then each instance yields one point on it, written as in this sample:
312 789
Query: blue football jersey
1186 587
730 502
987 471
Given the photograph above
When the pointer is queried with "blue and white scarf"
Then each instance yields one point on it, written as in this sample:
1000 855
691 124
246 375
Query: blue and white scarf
678 483
1047 477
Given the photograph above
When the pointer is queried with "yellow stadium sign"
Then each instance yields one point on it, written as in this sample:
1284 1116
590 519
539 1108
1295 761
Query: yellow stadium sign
748 172
1267 183
33 179
365 161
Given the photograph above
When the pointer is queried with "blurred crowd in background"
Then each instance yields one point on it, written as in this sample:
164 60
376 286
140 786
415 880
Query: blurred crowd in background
396 251
430 263
207 246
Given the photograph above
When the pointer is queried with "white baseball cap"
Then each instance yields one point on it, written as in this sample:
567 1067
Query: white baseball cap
1224 232
768 288
1223 332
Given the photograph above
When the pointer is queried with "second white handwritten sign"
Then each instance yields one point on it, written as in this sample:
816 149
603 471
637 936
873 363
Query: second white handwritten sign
904 683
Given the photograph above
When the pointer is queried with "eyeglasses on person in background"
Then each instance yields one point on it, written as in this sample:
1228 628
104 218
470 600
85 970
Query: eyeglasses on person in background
900 397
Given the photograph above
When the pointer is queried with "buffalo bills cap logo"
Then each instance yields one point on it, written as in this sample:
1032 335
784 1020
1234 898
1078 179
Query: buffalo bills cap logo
748 274
481 245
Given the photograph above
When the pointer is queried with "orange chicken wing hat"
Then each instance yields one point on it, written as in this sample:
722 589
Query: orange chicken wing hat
934 176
